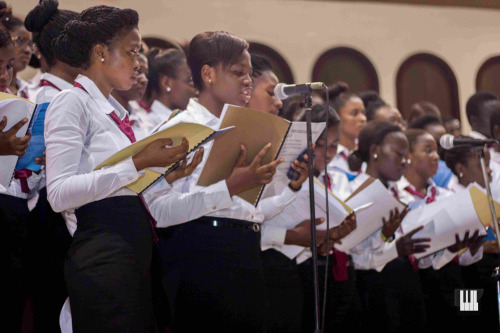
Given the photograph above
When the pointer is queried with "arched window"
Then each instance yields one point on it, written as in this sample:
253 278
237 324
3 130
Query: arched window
280 66
160 43
348 65
425 77
488 76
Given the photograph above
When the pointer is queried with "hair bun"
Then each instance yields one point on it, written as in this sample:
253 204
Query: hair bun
338 88
369 97
39 16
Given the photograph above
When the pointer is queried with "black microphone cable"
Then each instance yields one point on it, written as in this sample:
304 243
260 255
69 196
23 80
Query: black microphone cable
325 136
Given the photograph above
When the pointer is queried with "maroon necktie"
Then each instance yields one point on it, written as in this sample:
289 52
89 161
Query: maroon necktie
144 106
339 270
414 192
23 176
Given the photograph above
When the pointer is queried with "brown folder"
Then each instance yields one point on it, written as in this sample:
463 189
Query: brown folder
254 129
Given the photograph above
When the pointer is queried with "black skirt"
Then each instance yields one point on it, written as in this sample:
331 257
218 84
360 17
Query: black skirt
213 276
107 270
13 223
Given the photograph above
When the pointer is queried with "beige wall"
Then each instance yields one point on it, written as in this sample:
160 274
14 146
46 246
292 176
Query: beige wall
301 30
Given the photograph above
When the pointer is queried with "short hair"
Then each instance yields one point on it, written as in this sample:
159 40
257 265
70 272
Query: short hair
373 133
372 102
162 63
213 48
460 154
260 64
47 22
476 102
494 121
9 21
448 119
423 121
95 25
412 134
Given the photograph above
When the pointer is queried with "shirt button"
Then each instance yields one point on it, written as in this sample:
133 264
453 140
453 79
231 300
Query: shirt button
130 178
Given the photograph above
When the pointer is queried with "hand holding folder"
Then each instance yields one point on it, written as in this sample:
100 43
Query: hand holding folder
10 144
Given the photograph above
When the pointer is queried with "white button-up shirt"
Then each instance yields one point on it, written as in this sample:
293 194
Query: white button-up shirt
159 113
79 135
185 201
45 94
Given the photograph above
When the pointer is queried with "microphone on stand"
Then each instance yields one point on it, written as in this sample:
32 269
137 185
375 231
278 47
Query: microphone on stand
448 141
283 91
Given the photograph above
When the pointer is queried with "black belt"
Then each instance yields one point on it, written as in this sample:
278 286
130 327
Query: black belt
224 222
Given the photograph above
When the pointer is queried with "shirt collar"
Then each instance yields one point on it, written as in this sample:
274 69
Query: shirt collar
57 81
202 113
161 108
107 105
403 183
22 85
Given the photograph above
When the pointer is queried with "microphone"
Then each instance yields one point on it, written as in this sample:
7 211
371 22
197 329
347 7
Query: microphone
283 91
448 141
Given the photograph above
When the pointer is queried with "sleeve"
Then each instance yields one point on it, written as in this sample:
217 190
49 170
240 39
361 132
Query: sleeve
466 258
375 259
441 258
272 237
65 134
274 205
171 207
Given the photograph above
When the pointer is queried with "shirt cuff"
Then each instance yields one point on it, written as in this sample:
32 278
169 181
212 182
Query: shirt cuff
388 254
272 237
126 171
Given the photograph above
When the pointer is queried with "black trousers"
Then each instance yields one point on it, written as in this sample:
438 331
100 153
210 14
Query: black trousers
48 243
107 270
403 296
284 293
342 307
13 224
213 277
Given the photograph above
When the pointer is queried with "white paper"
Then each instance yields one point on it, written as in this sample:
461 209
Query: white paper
369 218
15 110
443 219
295 143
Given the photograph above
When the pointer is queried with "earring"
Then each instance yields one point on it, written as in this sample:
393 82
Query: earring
460 175
408 161
102 59
375 156
168 89
210 81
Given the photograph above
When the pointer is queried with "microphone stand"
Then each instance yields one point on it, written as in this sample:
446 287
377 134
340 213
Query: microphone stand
496 272
310 152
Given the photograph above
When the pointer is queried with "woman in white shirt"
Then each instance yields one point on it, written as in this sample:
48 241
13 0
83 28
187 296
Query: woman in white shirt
384 147
13 205
48 233
465 164
351 111
440 273
170 84
211 250
24 48
107 270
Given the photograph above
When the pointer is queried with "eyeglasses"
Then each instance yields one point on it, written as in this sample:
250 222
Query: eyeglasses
21 42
